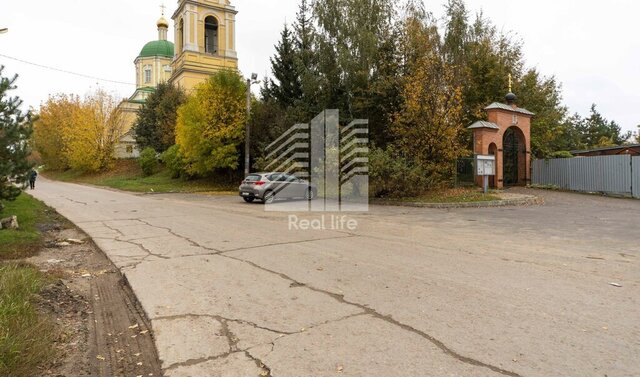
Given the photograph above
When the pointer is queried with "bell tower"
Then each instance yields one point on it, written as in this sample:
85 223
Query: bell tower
205 41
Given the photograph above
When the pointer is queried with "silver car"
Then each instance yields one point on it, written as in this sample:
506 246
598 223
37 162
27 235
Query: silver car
268 187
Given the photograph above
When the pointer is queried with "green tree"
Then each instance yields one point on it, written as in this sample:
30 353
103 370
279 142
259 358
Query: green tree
15 130
210 127
156 122
350 34
305 42
287 88
550 129
597 131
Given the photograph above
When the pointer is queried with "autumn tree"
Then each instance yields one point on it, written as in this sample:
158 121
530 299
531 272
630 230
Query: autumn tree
54 120
210 127
79 134
15 130
96 127
156 122
428 124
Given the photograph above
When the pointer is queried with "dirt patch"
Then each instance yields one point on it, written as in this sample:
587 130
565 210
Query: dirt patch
102 331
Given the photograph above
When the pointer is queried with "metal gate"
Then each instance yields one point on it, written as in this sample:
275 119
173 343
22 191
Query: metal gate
510 158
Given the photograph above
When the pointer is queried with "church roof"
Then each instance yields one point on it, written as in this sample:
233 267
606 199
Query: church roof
504 106
484 124
157 48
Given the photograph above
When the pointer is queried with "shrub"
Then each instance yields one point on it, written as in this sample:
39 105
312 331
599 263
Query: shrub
395 176
561 154
148 161
172 159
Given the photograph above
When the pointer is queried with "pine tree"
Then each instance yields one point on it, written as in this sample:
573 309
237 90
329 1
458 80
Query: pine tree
15 130
597 131
304 36
287 88
156 123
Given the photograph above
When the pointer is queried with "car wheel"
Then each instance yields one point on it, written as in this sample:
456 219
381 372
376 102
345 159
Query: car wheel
269 197
310 194
249 200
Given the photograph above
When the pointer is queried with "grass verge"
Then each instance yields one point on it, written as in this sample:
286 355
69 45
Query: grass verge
452 195
127 176
26 241
26 337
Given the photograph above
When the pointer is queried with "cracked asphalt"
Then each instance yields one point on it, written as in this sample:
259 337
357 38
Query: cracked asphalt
231 291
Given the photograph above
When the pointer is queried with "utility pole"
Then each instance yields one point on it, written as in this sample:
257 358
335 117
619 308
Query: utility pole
247 131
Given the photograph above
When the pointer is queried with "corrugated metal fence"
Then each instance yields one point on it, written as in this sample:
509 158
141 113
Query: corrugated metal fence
618 175
635 179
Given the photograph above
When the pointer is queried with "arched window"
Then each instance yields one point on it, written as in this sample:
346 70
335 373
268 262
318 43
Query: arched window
180 37
147 74
211 35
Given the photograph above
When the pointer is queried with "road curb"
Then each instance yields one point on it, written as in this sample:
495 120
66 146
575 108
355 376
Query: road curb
525 201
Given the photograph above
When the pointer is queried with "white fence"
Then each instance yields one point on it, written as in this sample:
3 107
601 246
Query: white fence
619 175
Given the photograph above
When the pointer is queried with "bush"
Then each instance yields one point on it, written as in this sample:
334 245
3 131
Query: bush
172 159
148 161
561 154
394 176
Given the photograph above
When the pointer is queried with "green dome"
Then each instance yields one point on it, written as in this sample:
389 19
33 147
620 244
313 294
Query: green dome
157 48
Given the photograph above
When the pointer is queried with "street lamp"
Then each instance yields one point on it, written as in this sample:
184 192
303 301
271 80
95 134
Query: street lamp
247 131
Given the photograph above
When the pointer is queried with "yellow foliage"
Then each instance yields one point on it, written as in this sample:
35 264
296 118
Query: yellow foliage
50 127
429 123
79 134
210 125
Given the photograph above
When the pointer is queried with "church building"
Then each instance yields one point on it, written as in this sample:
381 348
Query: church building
205 43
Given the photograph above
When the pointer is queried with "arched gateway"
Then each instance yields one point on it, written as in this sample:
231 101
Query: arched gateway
507 135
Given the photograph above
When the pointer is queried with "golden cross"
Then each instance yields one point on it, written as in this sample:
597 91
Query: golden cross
510 82
163 8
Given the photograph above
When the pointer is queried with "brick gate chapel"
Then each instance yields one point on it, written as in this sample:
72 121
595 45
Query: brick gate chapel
506 134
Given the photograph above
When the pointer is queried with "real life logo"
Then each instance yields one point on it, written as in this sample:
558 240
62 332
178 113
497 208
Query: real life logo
333 159
331 222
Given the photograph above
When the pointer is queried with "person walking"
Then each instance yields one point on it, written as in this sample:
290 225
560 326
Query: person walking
32 178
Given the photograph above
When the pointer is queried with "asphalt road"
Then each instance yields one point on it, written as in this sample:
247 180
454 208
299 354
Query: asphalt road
232 291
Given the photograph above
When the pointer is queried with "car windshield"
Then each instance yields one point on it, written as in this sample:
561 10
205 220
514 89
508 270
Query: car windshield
253 178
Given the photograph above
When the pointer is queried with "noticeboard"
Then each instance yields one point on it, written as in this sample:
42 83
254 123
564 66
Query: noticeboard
485 164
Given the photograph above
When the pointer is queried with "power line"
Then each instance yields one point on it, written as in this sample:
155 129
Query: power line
67 72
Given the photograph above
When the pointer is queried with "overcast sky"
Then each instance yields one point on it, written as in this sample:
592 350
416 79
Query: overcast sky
590 46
